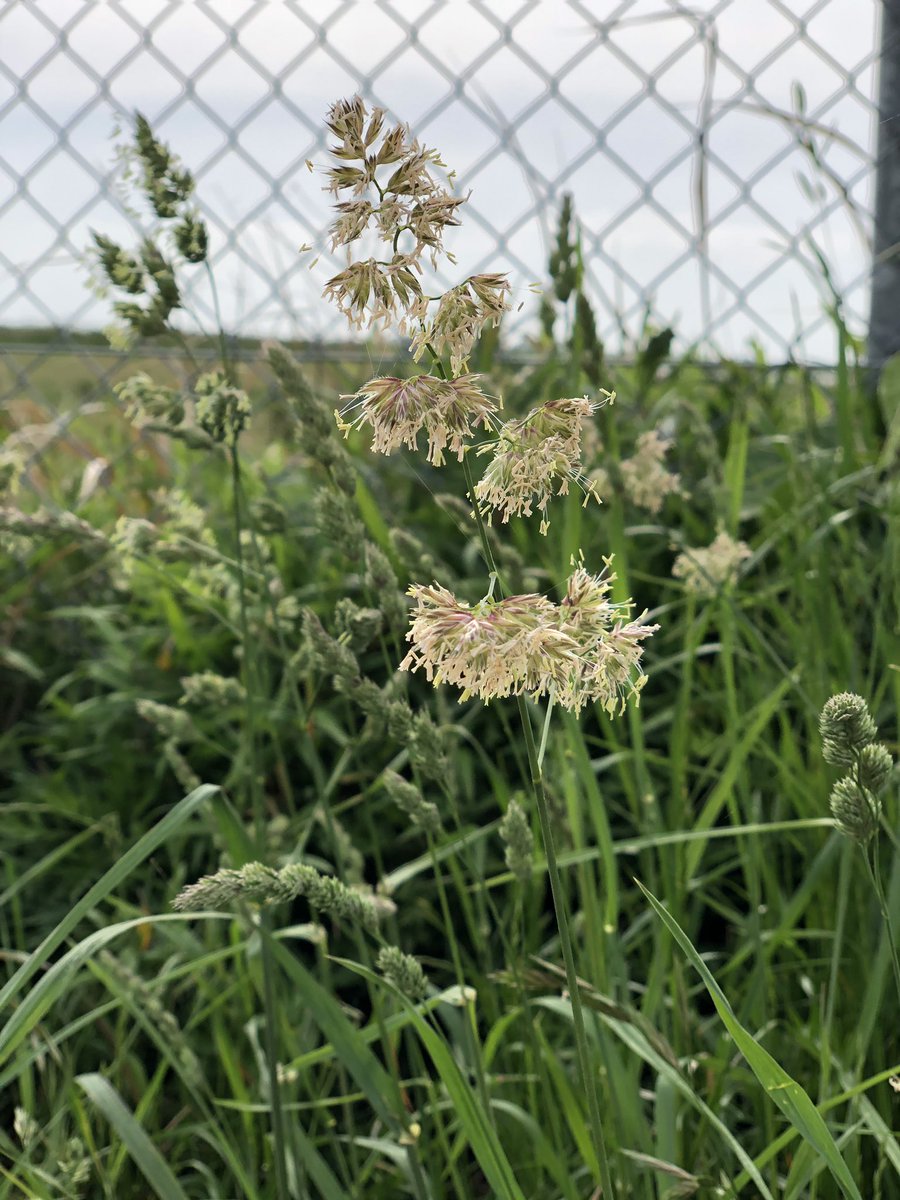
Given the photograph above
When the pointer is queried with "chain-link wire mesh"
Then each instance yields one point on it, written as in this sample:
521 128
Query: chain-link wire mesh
718 152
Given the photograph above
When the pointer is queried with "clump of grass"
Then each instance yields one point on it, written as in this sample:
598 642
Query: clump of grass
387 999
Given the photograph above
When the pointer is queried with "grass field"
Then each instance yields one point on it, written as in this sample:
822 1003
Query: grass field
461 949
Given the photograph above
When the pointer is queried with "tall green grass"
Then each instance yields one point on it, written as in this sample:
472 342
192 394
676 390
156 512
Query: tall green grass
739 1018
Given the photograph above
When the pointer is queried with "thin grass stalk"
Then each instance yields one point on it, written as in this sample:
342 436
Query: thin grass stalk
874 873
559 903
268 966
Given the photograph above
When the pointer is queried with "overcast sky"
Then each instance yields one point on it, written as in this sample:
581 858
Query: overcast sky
525 100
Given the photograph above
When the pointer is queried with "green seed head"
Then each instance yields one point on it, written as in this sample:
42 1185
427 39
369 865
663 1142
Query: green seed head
518 839
846 726
855 810
421 812
403 971
875 766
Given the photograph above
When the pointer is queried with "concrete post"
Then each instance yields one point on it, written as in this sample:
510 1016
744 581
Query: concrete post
884 319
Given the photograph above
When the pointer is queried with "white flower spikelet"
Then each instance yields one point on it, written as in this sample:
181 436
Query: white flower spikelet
584 650
461 315
537 457
608 669
496 648
644 476
706 569
398 410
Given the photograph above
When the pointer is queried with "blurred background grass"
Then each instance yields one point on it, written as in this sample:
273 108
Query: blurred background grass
712 793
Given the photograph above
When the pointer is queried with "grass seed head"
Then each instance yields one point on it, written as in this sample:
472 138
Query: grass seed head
846 726
403 971
518 840
705 570
855 810
447 411
421 812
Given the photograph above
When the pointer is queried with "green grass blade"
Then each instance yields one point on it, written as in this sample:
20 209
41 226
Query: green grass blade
758 720
47 863
120 870
637 1041
787 1094
852 1093
473 1120
145 1155
57 979
349 1047
319 1171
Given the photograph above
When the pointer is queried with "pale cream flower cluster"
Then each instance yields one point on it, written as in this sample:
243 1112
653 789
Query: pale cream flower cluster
398 410
535 455
462 313
392 191
382 291
644 475
706 569
583 650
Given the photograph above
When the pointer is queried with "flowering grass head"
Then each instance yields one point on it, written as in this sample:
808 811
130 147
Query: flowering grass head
611 642
848 740
384 184
847 727
493 649
581 651
644 476
398 410
706 569
537 457
462 313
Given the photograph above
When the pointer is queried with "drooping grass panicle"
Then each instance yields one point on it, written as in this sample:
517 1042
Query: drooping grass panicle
582 650
537 457
447 411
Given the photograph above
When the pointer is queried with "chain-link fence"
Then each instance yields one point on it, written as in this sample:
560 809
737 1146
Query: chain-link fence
718 153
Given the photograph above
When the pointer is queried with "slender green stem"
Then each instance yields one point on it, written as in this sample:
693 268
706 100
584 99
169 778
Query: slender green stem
471 1036
268 965
227 365
486 549
559 902
875 878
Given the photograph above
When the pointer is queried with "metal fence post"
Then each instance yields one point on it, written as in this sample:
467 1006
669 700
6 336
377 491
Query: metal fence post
884 319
